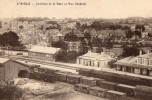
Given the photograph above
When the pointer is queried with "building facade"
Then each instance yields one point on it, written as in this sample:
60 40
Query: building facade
12 69
99 60
43 53
141 64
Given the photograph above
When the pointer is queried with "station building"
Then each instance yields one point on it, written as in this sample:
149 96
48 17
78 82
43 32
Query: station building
43 53
99 60
141 64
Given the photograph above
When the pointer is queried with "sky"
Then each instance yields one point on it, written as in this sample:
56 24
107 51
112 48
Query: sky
92 9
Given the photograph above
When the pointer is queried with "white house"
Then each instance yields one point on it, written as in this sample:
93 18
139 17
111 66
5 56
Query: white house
94 59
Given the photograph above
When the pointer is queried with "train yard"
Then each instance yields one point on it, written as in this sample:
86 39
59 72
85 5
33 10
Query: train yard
109 84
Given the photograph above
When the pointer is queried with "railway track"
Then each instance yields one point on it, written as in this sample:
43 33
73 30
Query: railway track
43 62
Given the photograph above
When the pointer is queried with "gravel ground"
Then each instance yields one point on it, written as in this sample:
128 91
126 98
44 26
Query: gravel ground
63 91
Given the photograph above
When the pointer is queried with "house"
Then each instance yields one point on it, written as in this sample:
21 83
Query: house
10 69
141 64
43 53
99 60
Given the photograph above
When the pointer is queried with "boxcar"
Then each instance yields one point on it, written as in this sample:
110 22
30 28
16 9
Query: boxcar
88 81
129 90
51 71
81 88
96 74
84 71
61 76
97 91
109 76
98 80
143 96
143 89
108 85
50 78
73 78
115 95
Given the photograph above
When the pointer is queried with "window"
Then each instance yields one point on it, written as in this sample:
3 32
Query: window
98 64
34 54
142 61
139 61
150 62
146 61
47 55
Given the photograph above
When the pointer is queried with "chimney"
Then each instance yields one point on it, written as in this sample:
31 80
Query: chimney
140 52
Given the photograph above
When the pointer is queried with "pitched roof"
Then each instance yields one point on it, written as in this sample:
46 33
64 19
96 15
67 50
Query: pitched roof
96 56
3 60
148 55
41 49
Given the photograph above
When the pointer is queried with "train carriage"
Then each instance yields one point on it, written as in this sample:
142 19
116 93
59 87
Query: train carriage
129 90
97 91
73 78
96 73
115 95
88 81
51 71
108 85
81 88
98 80
84 71
61 76
109 76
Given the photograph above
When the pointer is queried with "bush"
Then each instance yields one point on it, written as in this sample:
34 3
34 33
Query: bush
9 91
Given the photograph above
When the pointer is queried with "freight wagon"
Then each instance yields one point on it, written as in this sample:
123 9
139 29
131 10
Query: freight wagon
61 76
143 92
129 90
97 91
73 78
108 85
96 73
98 80
115 95
81 88
84 71
88 81
118 77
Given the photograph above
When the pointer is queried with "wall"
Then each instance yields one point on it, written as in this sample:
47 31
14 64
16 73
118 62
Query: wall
13 68
2 75
40 56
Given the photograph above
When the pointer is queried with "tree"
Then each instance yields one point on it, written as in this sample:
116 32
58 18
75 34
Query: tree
138 33
60 44
10 39
140 27
71 56
87 35
131 51
71 37
129 34
78 25
109 43
62 56
96 25
10 91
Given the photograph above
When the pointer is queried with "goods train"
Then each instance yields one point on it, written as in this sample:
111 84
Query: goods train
110 85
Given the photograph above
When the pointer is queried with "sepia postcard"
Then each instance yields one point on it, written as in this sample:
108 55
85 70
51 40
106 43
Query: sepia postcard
75 49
